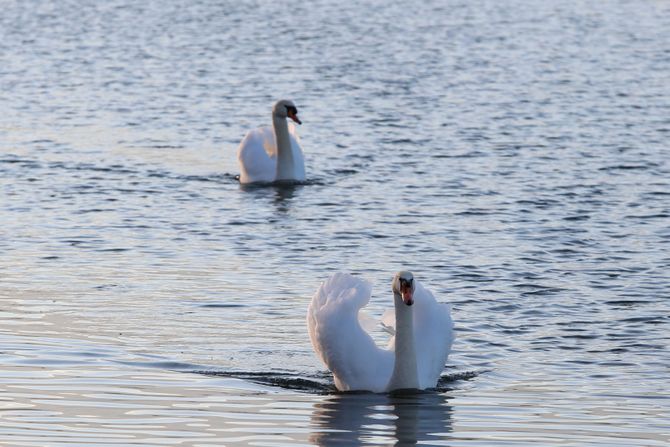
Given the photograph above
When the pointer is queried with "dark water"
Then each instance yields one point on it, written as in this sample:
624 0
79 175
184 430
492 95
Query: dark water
514 155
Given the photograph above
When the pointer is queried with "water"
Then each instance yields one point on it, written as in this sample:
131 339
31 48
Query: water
514 155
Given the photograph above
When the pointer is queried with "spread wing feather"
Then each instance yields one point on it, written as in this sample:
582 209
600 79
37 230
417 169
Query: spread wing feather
356 362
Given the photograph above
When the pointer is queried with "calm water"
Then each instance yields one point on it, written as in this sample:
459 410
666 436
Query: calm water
514 155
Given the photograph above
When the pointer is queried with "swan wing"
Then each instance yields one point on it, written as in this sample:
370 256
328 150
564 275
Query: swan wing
356 362
257 156
298 157
433 336
388 322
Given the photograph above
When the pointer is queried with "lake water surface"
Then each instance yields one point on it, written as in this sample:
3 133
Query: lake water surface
514 155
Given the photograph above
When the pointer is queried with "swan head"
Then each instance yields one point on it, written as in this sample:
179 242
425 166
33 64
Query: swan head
284 108
403 286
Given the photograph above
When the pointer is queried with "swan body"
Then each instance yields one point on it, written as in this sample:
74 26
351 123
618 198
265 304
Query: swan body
274 154
415 355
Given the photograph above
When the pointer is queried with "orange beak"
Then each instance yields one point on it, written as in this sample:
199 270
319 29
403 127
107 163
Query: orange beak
407 294
294 117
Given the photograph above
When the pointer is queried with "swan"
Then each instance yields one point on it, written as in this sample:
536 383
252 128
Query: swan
273 155
415 356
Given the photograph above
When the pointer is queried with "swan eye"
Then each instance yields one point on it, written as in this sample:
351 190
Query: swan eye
291 109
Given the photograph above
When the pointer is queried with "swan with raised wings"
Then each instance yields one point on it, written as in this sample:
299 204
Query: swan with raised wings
274 154
415 356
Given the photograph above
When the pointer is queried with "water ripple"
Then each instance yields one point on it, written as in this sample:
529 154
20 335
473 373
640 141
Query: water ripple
514 158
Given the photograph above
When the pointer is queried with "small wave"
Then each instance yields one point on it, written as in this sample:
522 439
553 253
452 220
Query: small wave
317 384
285 185
320 383
160 364
122 170
630 167
215 178
626 303
220 305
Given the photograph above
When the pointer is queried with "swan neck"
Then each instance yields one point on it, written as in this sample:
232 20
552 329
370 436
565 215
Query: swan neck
405 375
285 160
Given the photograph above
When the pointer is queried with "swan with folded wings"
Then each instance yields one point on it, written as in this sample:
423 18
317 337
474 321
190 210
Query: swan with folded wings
268 155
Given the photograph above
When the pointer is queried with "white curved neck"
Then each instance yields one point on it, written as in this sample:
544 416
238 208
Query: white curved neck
285 161
405 374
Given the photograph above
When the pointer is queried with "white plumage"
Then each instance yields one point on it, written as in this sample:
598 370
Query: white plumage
270 154
356 362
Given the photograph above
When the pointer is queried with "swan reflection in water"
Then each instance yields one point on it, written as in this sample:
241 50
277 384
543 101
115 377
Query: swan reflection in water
283 197
281 193
389 419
